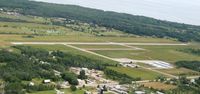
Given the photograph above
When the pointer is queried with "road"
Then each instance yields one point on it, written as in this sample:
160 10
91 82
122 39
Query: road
100 43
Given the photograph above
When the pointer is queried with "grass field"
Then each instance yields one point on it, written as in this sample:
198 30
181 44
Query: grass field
99 46
159 86
164 53
137 72
180 71
80 37
73 51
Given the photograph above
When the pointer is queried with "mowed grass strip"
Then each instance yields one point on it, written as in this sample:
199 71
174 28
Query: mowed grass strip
81 37
137 72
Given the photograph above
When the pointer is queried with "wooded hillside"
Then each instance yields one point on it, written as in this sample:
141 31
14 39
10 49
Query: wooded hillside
138 25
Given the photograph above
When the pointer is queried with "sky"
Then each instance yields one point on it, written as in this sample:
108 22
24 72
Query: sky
183 11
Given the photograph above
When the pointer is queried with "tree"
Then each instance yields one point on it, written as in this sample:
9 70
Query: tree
73 88
70 77
82 75
14 88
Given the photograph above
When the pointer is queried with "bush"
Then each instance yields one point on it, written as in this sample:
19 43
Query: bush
73 88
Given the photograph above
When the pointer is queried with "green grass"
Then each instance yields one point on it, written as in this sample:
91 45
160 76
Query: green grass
31 28
136 72
180 71
164 53
99 46
72 51
79 37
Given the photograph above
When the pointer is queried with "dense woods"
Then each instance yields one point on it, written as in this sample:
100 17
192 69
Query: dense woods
191 51
123 78
138 25
193 65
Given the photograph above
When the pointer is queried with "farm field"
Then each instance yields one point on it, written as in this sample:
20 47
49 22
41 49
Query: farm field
159 86
137 72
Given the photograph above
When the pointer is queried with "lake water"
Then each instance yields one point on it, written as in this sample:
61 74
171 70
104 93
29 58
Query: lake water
183 11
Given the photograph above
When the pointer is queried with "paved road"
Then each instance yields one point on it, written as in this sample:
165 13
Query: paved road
98 43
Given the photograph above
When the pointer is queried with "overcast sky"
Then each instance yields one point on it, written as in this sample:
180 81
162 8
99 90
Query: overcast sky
184 11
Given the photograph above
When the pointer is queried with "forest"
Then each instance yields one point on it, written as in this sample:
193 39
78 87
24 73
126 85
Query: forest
137 25
31 63
193 51
193 65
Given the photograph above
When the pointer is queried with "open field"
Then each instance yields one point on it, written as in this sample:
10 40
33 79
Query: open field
164 53
31 28
180 71
80 37
107 47
159 86
137 72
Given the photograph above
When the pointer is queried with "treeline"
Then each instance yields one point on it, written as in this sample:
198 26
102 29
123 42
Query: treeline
191 51
185 86
138 25
193 65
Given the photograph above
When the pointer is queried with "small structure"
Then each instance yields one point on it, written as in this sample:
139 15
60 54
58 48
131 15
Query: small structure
193 81
158 92
87 92
87 72
47 81
31 84
59 92
63 85
139 92
57 73
42 62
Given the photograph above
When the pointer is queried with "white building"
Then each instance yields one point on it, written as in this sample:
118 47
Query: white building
47 81
31 84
